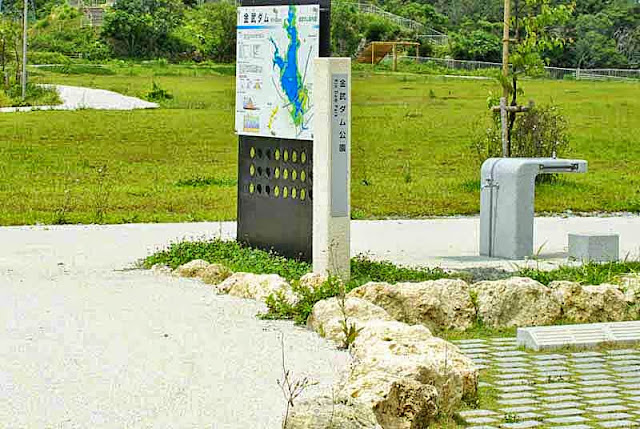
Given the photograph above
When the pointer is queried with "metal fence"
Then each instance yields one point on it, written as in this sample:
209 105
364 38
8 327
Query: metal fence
551 72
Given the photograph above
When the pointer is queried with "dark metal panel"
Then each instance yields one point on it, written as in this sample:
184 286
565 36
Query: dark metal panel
275 193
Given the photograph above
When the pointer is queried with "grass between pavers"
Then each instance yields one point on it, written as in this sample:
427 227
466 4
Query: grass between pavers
489 394
411 148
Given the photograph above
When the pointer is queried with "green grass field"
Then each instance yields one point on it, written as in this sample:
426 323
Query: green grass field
411 148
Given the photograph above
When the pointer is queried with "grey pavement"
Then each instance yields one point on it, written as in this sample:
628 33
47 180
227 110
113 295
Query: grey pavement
86 342
603 398
75 97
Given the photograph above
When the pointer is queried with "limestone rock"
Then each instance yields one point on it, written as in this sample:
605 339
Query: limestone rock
326 316
192 268
161 269
443 304
325 413
312 281
408 405
517 301
214 274
591 304
257 286
412 352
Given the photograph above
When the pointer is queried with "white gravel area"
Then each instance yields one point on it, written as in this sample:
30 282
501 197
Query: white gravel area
75 97
85 342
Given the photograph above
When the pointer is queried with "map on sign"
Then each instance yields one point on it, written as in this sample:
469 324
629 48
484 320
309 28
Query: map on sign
274 70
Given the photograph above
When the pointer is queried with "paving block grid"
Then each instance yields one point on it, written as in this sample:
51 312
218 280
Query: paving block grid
578 390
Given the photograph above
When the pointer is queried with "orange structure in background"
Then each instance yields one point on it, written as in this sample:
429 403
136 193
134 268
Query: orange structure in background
375 52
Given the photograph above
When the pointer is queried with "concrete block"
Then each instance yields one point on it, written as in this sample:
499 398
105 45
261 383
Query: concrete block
585 335
594 247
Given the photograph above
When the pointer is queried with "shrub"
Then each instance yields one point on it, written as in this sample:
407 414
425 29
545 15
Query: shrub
158 93
539 132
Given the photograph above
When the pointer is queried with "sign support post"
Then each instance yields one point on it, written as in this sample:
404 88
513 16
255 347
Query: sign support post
332 167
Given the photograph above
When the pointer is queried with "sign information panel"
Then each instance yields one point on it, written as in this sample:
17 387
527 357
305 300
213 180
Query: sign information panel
339 145
274 70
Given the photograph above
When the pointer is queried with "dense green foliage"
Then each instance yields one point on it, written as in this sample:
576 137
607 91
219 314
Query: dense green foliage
597 33
233 255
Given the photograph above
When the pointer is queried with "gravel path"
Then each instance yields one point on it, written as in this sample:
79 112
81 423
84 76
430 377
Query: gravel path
85 342
75 97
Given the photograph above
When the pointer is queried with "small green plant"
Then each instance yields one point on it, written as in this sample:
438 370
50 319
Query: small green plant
511 418
102 193
158 93
591 273
406 171
349 330
60 215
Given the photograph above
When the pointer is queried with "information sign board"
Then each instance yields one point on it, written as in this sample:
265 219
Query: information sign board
276 46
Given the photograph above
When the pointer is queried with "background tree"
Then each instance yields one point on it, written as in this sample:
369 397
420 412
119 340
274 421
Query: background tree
209 31
143 28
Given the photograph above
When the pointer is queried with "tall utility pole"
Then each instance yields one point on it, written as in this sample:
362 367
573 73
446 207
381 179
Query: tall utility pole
506 150
25 11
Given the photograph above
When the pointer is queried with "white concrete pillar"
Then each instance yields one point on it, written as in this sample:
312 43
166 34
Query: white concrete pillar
332 167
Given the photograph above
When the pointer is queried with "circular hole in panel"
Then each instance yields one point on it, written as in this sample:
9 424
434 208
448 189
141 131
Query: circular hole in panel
294 193
276 172
268 153
259 153
285 174
285 192
276 191
303 176
294 156
259 188
267 189
303 157
268 171
276 154
252 170
259 171
252 152
251 188
303 194
294 175
285 155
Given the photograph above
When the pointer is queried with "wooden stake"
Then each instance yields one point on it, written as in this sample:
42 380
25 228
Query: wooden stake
373 52
505 73
506 150
395 58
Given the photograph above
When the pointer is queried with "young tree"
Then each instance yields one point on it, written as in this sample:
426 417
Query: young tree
537 25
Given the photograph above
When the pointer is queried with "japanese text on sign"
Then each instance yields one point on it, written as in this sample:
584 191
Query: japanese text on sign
339 144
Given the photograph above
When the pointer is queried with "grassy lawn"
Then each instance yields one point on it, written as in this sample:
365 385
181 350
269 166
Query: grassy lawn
411 148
